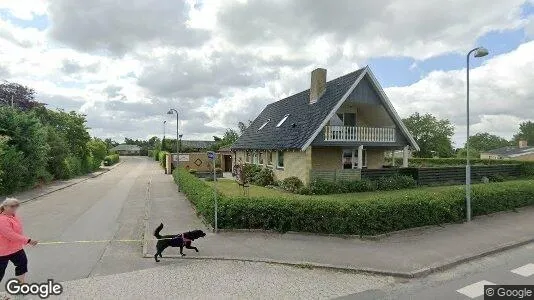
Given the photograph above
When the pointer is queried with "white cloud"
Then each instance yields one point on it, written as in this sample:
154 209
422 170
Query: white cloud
24 9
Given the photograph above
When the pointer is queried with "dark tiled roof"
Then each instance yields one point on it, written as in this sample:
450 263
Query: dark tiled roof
511 151
303 120
197 144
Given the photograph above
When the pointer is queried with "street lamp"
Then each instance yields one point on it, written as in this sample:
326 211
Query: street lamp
170 112
479 52
163 140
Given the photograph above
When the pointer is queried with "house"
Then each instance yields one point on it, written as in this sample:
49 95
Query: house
227 158
126 149
335 128
521 152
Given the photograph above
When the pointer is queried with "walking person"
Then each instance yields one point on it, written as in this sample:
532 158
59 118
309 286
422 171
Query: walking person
12 240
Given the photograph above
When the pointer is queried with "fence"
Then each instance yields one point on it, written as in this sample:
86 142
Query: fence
444 175
337 175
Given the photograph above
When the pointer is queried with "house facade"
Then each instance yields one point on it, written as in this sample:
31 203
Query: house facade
332 130
125 149
521 152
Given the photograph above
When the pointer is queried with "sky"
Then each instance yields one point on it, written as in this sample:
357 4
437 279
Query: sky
218 62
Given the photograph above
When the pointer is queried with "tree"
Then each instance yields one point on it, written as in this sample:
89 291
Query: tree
485 141
431 134
18 96
242 126
229 137
110 143
98 150
526 132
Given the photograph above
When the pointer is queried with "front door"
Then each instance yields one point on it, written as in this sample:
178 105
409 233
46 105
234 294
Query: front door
228 163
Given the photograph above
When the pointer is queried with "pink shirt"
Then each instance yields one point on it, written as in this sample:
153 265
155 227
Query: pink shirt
11 237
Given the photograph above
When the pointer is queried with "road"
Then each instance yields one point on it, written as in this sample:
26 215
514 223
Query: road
512 267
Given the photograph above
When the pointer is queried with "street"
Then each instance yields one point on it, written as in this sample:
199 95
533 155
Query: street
112 207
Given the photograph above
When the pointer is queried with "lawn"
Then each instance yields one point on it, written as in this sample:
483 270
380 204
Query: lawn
230 187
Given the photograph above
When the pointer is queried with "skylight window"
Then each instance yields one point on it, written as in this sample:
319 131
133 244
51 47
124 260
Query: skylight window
282 121
261 127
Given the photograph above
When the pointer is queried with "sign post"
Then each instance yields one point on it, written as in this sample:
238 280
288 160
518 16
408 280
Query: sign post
211 156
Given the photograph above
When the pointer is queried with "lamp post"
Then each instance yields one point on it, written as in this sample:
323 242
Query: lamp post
170 112
163 140
479 52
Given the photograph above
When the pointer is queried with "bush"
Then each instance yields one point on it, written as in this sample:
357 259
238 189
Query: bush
323 187
292 184
156 155
496 178
396 182
111 159
384 212
264 177
249 171
192 171
162 158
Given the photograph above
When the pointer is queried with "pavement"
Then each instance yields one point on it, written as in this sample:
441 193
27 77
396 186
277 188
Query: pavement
410 253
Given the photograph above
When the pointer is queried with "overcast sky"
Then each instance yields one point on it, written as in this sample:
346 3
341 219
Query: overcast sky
125 63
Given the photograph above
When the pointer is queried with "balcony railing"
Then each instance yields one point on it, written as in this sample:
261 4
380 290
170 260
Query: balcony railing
359 134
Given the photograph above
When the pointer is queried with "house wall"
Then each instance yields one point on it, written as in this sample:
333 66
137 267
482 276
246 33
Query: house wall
198 161
375 158
326 159
528 157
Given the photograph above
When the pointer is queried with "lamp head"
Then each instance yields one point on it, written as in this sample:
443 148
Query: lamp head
170 112
481 51
165 122
180 135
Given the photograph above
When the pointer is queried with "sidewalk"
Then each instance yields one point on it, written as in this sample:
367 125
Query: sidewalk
410 253
59 185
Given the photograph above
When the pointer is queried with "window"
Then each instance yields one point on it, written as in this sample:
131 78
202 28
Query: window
255 158
347 119
261 127
350 159
261 158
282 121
280 159
270 158
247 157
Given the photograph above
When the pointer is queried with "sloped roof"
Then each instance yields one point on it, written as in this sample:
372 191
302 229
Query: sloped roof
510 151
305 120
126 147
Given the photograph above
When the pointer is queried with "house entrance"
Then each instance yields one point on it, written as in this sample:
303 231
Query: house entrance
350 159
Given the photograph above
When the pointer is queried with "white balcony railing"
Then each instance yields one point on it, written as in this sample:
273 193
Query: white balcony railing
359 134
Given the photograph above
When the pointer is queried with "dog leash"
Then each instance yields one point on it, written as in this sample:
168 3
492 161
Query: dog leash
97 241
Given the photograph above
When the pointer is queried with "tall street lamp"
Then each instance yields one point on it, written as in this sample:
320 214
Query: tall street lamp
163 140
170 112
479 52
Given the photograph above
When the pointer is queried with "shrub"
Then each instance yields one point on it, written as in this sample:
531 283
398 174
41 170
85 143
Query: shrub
292 184
162 158
264 177
396 182
496 178
322 187
249 171
111 159
383 212
156 155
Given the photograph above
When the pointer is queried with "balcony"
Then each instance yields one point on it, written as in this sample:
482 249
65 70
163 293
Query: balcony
359 134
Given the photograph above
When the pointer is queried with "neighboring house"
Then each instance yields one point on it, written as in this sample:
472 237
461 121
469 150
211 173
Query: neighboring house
196 146
336 127
125 149
521 152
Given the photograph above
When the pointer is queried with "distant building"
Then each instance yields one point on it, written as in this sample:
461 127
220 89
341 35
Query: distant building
520 152
125 149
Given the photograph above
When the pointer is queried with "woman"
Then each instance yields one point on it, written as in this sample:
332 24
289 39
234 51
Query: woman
12 241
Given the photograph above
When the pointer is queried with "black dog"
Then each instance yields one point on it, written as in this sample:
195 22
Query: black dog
179 240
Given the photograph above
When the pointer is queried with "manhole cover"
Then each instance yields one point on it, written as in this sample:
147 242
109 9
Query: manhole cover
198 162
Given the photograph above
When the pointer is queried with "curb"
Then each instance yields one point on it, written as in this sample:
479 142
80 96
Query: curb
340 268
91 176
146 220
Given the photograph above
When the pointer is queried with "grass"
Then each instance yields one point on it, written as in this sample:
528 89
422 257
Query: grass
231 188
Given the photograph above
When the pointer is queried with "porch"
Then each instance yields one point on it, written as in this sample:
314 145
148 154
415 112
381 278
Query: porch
359 134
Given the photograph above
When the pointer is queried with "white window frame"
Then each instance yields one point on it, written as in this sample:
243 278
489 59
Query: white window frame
278 166
282 121
261 159
354 158
264 124
255 159
269 158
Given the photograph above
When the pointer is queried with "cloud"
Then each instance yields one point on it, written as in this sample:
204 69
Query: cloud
501 94
70 67
119 27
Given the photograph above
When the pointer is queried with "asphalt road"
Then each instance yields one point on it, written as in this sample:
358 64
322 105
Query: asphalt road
110 206
513 267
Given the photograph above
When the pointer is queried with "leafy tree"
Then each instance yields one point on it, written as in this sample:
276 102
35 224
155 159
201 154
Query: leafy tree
242 126
526 132
98 150
473 153
20 96
485 141
58 152
110 143
431 134
229 137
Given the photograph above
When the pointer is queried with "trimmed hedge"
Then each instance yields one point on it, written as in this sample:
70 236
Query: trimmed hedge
384 212
435 162
162 158
111 159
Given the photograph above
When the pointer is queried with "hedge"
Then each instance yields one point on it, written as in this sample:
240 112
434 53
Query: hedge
111 159
162 158
383 212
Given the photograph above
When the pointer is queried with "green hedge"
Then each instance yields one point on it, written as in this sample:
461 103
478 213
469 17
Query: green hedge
161 158
384 212
111 159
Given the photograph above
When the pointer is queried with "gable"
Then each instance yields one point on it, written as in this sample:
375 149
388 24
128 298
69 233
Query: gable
364 93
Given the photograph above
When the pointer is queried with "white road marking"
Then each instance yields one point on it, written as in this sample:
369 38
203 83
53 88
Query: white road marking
525 271
474 290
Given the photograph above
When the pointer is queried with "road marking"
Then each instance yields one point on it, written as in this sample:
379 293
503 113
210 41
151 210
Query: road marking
525 271
475 290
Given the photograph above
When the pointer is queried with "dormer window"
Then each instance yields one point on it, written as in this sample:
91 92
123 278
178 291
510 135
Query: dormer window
261 127
282 121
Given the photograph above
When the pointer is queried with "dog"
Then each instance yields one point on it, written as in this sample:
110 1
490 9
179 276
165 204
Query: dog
179 240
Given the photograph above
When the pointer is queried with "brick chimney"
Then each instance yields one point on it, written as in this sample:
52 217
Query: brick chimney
522 144
318 84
